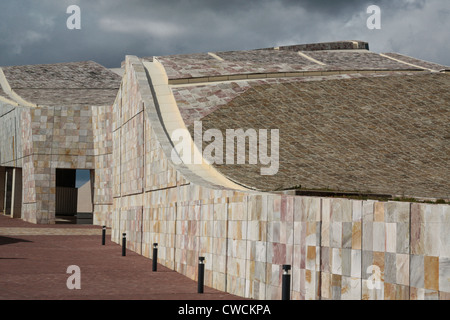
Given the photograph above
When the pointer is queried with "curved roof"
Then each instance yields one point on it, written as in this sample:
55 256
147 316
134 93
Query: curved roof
361 122
59 84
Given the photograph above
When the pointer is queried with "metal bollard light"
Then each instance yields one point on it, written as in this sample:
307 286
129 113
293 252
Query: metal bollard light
201 274
124 244
103 235
286 283
155 257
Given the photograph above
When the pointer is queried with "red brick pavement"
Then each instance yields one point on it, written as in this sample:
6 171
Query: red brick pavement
34 267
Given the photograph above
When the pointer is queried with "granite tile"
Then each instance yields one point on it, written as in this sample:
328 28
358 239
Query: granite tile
390 268
379 236
336 234
402 237
432 238
336 264
444 274
351 288
402 265
356 260
367 261
391 237
367 235
417 271
347 235
346 258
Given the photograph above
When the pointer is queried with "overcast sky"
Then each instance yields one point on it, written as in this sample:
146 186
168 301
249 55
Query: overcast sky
34 32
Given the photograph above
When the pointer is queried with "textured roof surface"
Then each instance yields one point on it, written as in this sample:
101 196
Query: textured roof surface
385 134
284 59
72 83
356 60
195 102
349 119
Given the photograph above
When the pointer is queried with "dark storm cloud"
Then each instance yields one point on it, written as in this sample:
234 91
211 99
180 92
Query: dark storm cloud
35 32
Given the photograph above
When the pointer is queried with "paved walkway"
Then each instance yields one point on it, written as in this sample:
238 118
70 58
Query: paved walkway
34 261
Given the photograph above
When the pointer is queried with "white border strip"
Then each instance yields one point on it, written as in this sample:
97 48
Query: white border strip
409 64
310 58
215 56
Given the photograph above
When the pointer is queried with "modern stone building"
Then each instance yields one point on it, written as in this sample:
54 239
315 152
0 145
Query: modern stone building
357 132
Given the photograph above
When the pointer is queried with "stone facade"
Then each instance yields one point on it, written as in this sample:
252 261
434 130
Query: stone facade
246 237
55 131
338 248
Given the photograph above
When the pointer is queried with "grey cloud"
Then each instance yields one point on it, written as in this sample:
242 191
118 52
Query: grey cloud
35 32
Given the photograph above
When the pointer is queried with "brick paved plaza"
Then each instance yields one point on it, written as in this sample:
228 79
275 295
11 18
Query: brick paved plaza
34 261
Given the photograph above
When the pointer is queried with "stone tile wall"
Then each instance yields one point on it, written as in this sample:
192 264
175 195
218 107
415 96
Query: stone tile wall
54 137
246 237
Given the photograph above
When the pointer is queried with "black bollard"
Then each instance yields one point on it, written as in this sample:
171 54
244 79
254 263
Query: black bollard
103 235
286 283
124 244
201 274
155 256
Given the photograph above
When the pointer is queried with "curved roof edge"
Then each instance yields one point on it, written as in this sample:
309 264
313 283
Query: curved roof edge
15 98
165 118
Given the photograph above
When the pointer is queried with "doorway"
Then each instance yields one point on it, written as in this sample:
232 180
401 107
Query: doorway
66 196
73 203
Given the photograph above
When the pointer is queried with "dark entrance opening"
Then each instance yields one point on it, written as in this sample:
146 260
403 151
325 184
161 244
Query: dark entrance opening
74 196
66 196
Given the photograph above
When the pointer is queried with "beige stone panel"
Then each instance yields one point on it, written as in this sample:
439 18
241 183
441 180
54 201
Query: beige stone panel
431 272
378 215
356 235
378 260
